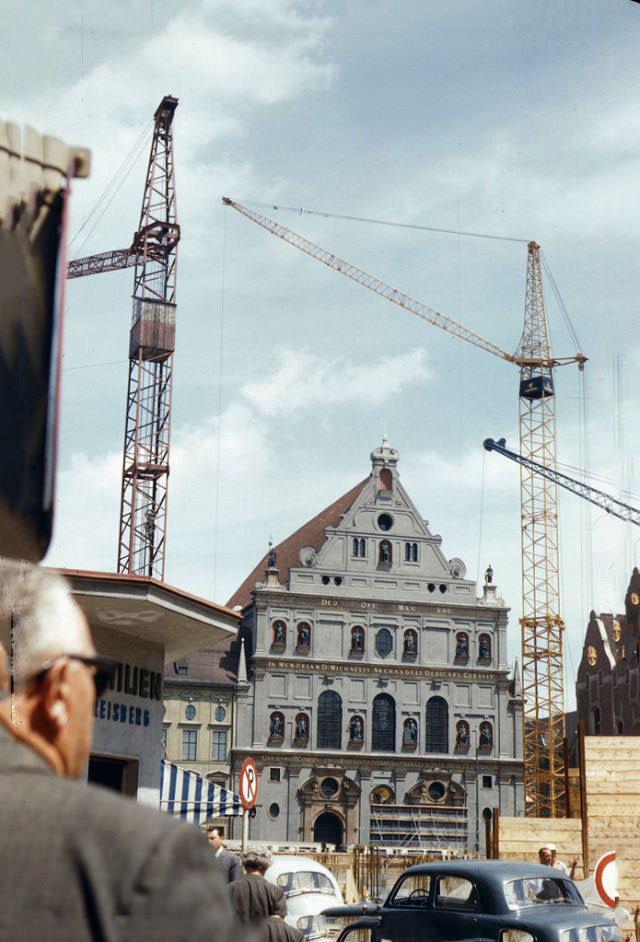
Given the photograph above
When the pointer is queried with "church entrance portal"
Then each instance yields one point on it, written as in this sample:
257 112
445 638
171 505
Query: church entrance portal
328 829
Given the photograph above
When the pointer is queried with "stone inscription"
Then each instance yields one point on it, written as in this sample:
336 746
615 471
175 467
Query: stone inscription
389 670
382 606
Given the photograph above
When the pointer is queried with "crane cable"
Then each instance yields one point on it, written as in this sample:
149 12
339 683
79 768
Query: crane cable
300 211
113 187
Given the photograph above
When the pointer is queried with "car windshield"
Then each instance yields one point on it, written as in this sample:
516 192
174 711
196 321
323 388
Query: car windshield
304 881
533 891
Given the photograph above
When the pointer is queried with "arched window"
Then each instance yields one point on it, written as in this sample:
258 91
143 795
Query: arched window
410 732
385 553
383 723
384 642
410 643
437 725
303 636
411 552
357 639
484 647
386 480
301 727
359 546
276 725
329 720
463 734
279 634
356 729
462 644
486 735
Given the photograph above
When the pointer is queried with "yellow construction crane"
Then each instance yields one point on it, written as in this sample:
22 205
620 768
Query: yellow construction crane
541 623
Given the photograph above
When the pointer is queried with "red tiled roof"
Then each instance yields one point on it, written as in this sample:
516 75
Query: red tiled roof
311 534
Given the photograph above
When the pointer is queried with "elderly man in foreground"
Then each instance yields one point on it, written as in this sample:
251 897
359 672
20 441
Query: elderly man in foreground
78 861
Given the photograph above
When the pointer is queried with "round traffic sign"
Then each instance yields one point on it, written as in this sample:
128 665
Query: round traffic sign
248 783
606 878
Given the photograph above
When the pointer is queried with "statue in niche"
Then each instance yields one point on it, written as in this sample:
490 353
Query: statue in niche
462 646
484 649
278 633
409 643
304 636
357 639
277 726
410 733
355 729
385 552
462 737
485 734
302 727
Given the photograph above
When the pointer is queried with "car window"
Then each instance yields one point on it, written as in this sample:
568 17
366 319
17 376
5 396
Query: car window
456 893
305 881
412 891
533 892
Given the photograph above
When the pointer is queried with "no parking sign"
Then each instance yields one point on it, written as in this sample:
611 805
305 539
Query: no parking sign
248 784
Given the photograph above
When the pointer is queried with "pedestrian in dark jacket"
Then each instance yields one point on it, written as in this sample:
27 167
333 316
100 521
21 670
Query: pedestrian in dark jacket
227 862
254 898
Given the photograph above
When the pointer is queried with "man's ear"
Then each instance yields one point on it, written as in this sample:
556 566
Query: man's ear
56 695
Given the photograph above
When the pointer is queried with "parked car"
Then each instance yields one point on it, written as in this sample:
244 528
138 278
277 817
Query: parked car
501 901
309 888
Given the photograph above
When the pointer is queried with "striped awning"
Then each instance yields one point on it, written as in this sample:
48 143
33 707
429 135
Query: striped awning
192 797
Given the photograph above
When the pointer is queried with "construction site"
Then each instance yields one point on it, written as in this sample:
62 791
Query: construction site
395 708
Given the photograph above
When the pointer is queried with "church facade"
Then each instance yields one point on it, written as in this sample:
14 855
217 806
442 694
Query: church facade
378 704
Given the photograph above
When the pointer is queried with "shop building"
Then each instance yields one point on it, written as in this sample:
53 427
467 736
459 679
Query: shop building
379 705
145 624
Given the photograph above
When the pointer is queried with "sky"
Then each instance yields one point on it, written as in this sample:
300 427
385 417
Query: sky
507 118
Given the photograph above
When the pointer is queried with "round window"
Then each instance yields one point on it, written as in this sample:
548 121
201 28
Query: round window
220 714
329 787
190 712
274 810
384 642
436 791
385 521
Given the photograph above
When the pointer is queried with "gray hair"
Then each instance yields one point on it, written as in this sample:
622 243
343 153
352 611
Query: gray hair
258 859
39 604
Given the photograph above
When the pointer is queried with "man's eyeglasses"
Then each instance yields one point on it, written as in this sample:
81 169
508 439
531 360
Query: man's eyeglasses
105 667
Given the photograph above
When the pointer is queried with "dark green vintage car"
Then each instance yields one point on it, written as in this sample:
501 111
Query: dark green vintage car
501 901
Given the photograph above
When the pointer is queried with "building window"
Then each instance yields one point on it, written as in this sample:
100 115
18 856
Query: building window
329 787
302 726
411 552
437 791
410 643
383 723
486 735
303 635
359 546
274 775
385 553
596 721
279 634
410 732
189 744
219 745
484 647
165 730
384 642
463 734
190 712
180 669
274 810
220 713
487 781
357 639
437 725
356 729
385 479
462 644
329 720
276 725
620 728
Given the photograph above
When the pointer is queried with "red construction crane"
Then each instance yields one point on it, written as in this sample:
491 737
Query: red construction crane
154 253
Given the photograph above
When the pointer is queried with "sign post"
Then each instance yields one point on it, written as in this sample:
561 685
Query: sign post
248 795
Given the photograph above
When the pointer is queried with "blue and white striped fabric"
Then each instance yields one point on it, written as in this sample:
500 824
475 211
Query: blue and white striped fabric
193 798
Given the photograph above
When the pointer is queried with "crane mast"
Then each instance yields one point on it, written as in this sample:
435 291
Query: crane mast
153 251
541 624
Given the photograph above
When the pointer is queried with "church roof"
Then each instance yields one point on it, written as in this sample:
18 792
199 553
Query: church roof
217 665
288 551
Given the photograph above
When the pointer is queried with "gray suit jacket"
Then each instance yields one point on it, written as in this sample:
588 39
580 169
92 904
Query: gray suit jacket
80 863
229 864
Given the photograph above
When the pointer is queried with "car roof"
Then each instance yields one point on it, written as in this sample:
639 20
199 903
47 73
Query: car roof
497 870
285 863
